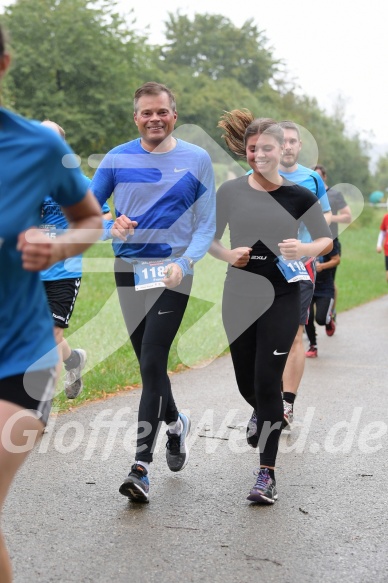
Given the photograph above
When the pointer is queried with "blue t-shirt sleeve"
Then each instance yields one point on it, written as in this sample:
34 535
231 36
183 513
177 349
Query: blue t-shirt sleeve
68 184
322 194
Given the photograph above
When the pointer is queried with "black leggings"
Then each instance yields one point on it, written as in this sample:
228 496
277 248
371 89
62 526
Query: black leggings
320 310
259 355
152 318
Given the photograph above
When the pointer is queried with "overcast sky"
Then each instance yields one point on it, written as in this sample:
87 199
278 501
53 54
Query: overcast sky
331 48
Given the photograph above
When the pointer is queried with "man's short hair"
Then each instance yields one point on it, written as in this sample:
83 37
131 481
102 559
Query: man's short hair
152 88
289 125
321 168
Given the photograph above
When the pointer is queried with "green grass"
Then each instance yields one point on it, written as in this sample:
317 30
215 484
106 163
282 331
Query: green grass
361 274
97 323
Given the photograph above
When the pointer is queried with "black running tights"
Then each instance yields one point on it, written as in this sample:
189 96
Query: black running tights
259 355
320 311
152 318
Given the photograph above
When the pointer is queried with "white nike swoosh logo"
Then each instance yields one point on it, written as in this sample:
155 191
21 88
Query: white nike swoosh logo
161 313
180 169
276 353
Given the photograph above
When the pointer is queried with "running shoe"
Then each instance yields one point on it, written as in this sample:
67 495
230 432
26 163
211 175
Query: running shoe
312 352
330 327
252 437
288 415
177 453
136 486
73 380
264 491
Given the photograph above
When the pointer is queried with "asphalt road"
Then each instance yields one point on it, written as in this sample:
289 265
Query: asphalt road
65 521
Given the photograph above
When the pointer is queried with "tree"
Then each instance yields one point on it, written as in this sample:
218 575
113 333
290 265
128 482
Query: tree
380 177
74 64
211 45
346 157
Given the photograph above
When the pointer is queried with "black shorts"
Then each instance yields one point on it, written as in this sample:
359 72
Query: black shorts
307 292
386 262
306 295
33 391
61 296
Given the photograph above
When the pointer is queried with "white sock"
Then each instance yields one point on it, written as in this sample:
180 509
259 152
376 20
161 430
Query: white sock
145 465
176 428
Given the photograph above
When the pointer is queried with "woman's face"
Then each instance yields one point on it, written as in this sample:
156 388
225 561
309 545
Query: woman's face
263 154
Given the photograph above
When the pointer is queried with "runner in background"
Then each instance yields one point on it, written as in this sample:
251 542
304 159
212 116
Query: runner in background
382 242
291 169
341 214
323 298
62 283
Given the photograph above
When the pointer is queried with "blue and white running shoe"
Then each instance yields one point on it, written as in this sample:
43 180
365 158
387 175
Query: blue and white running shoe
177 453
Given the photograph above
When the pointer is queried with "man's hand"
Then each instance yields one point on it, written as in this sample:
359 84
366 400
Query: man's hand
291 249
239 257
379 248
173 275
38 251
122 227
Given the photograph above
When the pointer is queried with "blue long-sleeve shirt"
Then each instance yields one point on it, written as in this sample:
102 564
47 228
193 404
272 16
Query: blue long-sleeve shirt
170 194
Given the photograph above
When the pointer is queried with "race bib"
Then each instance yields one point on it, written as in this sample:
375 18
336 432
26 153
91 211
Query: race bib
49 230
149 274
293 270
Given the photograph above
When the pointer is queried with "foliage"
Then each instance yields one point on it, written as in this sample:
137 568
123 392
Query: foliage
79 63
345 157
211 45
74 64
380 177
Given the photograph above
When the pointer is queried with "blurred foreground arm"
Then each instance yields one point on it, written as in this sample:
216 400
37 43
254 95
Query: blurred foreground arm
85 227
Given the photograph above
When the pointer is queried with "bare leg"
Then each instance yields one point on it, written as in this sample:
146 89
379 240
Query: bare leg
17 437
294 369
63 347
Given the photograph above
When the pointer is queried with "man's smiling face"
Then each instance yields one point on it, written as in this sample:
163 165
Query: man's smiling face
155 119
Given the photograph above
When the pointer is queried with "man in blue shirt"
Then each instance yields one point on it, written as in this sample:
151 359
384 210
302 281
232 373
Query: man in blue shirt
62 283
164 201
295 172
